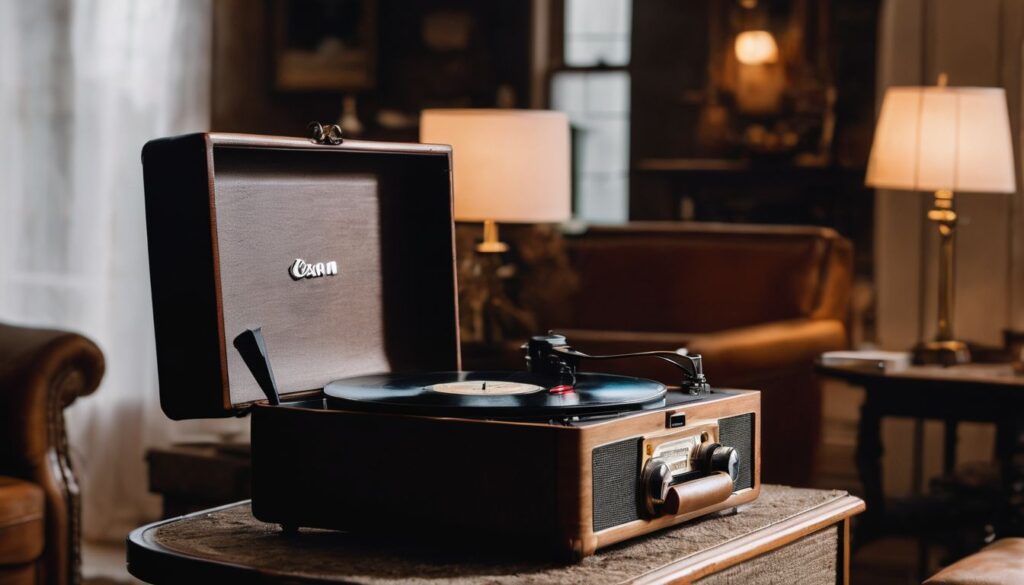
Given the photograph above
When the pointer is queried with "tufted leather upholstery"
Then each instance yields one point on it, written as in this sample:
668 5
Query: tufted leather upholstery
760 303
1000 563
41 373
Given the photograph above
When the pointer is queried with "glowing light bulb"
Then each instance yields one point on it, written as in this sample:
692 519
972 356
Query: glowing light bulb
756 47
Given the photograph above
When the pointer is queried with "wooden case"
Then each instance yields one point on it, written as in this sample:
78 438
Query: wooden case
566 489
228 218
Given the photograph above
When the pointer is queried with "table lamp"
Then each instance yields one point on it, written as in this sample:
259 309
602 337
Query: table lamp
509 166
943 139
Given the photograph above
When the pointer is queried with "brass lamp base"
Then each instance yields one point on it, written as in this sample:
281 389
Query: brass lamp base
491 244
946 353
944 349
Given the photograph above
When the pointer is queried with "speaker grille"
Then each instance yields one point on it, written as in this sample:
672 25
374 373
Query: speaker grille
616 475
738 432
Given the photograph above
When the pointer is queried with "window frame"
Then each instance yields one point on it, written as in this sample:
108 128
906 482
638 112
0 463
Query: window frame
556 65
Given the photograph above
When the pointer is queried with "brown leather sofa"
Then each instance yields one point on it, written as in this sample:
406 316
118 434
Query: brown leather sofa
760 303
41 373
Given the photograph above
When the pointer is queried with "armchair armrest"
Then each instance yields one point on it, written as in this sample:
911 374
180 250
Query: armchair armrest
732 357
1000 562
768 347
41 373
611 341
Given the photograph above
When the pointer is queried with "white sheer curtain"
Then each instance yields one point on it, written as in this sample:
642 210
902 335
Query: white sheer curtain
83 85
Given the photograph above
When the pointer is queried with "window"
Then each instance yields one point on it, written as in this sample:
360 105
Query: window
592 86
597 32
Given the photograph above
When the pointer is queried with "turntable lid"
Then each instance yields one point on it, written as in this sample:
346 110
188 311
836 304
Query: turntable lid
342 254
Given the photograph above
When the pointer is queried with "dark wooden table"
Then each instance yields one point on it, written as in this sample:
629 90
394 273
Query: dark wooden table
787 535
974 392
195 476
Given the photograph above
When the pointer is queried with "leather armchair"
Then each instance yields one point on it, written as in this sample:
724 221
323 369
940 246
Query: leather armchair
41 373
760 303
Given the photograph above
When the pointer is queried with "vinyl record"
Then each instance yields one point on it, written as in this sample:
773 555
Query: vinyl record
494 394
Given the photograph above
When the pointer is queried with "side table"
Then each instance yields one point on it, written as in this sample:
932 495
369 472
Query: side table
972 392
196 476
787 535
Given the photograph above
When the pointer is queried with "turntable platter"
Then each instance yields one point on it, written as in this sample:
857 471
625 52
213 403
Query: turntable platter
494 394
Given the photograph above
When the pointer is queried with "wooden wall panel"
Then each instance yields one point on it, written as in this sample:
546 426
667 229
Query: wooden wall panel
1013 80
409 75
898 214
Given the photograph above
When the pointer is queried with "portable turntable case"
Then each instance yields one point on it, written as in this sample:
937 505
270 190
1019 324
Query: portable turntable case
228 218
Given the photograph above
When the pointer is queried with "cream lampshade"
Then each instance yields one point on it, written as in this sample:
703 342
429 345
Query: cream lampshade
756 47
953 138
943 139
509 166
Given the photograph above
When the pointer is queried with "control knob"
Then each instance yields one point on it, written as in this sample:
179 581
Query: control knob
715 457
655 482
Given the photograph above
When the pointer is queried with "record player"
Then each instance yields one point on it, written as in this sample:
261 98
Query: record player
310 283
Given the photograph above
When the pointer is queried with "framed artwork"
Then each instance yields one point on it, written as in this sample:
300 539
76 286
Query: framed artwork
325 45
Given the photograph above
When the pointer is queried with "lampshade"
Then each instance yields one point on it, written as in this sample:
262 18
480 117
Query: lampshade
756 47
936 138
510 166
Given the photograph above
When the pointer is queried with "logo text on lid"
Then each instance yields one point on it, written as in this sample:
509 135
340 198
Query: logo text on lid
301 269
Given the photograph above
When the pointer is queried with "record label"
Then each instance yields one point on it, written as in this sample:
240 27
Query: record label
485 388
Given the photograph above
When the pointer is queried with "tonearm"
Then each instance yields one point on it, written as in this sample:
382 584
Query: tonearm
551 355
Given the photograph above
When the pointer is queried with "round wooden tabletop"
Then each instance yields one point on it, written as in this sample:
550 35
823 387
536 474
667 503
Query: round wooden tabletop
227 544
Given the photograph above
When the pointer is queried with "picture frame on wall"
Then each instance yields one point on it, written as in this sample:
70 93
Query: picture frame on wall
325 45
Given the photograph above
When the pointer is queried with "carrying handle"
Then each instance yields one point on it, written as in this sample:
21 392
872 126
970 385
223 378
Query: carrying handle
697 494
551 354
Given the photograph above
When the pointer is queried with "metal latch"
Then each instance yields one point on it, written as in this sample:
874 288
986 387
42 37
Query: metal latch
325 133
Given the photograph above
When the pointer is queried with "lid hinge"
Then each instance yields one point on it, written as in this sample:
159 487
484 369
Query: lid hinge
329 134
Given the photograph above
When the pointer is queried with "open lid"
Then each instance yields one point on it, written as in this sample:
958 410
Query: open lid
342 254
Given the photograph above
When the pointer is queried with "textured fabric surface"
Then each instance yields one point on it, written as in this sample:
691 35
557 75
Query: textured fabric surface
812 560
614 483
232 535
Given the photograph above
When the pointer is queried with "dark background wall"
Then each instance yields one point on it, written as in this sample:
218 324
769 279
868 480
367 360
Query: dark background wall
409 75
676 171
